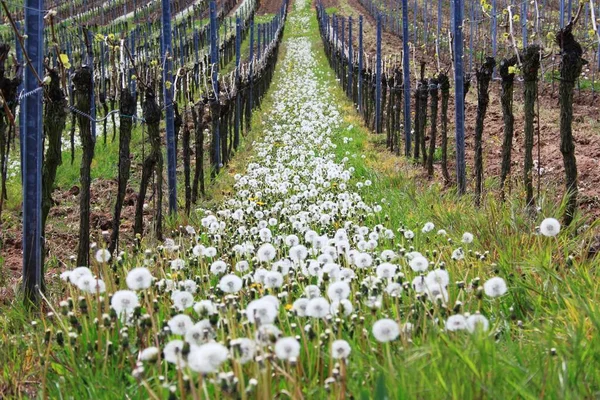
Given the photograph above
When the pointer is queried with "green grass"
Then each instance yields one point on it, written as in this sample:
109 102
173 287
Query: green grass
544 341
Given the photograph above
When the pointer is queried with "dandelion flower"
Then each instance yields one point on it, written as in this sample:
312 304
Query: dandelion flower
124 301
438 278
244 349
456 323
139 279
298 253
207 358
242 266
340 349
262 311
419 264
338 291
103 256
317 308
201 332
205 308
495 287
182 299
467 237
550 227
477 321
287 348
458 254
177 264
78 273
273 280
386 271
343 307
230 283
312 291
428 227
394 289
386 330
180 323
149 354
266 252
218 267
89 284
173 352
299 306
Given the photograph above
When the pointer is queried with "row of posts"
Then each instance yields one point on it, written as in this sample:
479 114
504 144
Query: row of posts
32 111
337 30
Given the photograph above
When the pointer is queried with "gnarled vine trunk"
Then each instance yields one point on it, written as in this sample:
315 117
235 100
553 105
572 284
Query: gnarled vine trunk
82 81
571 65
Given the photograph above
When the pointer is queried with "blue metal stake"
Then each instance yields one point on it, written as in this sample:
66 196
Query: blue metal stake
524 22
251 72
90 63
168 96
360 64
406 78
459 95
494 29
350 61
378 79
343 40
214 60
19 53
238 99
31 157
562 14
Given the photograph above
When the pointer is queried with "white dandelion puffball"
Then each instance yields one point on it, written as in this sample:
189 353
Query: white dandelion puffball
419 264
78 273
139 279
89 284
205 308
386 330
124 301
266 252
261 310
495 287
201 332
230 283
550 227
177 264
467 237
437 278
299 306
207 358
173 352
338 291
182 300
477 322
103 256
456 323
340 349
180 323
428 227
273 280
342 307
149 354
287 348
218 267
244 349
317 308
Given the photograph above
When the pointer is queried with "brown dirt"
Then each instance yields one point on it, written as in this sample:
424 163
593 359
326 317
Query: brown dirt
268 7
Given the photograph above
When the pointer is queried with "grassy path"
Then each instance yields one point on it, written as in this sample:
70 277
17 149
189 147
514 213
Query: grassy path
321 268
